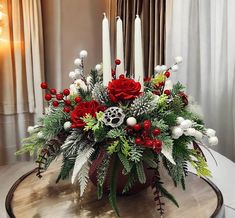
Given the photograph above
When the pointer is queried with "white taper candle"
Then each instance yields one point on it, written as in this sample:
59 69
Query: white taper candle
106 54
119 48
139 65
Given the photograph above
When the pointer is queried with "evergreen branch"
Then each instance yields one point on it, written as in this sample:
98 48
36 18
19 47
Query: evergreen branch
136 154
130 182
68 164
83 177
140 172
113 184
124 162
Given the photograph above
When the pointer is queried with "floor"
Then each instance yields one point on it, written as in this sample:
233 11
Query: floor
224 172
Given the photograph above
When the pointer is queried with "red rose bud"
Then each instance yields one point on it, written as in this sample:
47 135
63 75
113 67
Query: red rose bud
67 102
66 109
156 132
55 103
44 85
66 92
167 92
53 91
59 96
149 143
117 62
78 99
147 124
138 141
136 127
48 97
167 74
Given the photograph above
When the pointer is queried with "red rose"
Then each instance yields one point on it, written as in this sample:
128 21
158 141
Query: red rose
84 108
123 89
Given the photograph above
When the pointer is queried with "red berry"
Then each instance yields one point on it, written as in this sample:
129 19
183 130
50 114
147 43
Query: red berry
156 132
55 103
78 99
161 83
121 76
67 102
48 97
66 92
59 96
147 124
53 91
136 127
167 92
66 109
149 143
44 85
157 143
145 133
138 141
167 74
117 62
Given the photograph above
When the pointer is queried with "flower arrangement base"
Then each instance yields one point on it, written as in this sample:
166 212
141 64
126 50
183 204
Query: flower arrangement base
122 179
33 197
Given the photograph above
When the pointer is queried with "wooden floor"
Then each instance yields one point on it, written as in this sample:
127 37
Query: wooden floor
8 175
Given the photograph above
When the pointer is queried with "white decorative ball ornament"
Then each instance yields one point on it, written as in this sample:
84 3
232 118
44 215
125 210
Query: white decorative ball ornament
210 132
67 125
213 140
179 120
190 132
83 54
78 62
175 68
30 129
198 135
131 121
158 68
98 67
177 132
40 135
72 75
163 68
178 59
186 124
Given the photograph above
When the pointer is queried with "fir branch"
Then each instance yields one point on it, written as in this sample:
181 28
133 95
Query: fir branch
100 94
101 175
85 95
136 154
68 164
176 104
125 147
150 161
116 133
113 184
94 79
124 162
130 183
177 88
140 172
83 177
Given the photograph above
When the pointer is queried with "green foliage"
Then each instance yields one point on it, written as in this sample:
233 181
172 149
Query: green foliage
149 158
124 162
136 154
101 175
169 118
125 147
90 122
200 164
53 124
177 88
177 105
85 95
162 103
140 172
68 164
160 124
142 105
113 147
94 78
100 94
116 132
130 182
113 184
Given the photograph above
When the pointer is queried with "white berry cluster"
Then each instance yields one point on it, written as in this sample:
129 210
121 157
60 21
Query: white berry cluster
78 62
185 127
174 68
212 139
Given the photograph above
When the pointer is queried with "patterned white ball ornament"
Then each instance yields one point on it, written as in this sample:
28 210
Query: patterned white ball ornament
177 132
98 67
175 68
178 59
210 132
198 135
78 62
186 124
158 68
72 75
131 121
179 120
163 68
213 140
83 54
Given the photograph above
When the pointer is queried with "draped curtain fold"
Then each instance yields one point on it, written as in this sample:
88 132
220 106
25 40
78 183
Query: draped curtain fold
152 15
21 71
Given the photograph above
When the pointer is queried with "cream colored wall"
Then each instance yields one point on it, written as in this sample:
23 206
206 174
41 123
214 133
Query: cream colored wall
70 26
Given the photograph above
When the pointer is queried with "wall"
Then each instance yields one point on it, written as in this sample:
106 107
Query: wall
70 26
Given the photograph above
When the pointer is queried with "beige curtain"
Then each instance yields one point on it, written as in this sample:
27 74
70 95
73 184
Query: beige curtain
21 72
152 14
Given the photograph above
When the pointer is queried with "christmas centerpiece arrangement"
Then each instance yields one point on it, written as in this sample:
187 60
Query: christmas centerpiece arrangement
116 129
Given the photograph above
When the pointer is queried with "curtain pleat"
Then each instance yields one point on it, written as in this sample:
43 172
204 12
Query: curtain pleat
153 30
